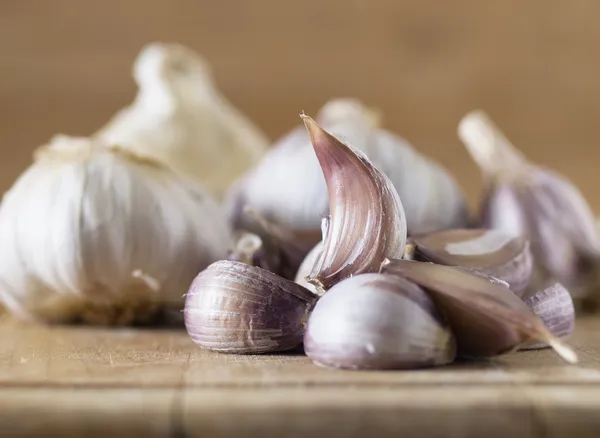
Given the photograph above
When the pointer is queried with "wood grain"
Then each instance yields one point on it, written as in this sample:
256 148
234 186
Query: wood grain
72 381
65 67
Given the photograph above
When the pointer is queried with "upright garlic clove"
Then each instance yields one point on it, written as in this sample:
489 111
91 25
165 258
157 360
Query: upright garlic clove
554 306
95 234
376 321
233 307
180 118
494 252
525 199
288 188
367 223
486 319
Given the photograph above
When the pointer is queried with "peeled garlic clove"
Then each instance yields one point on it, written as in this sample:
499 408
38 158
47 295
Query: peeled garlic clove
486 319
493 252
95 234
525 199
554 306
180 118
307 266
376 321
367 223
233 307
288 188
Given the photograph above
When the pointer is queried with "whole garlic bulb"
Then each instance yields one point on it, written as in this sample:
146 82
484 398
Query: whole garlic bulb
179 117
288 187
529 200
95 234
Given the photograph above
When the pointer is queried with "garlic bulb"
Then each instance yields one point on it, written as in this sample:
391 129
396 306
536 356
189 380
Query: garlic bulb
367 223
233 307
376 321
288 188
525 199
180 118
96 234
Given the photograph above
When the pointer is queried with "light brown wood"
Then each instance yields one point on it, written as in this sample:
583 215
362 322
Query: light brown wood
74 381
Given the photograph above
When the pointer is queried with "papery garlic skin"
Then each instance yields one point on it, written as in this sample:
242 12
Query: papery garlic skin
88 230
525 199
377 321
233 307
367 222
180 118
287 186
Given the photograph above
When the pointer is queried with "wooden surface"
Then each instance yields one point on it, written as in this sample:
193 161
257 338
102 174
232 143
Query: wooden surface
157 383
65 67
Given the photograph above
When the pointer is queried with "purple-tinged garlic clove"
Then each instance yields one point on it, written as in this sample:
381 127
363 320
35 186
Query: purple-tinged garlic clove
367 222
553 304
377 321
233 307
493 252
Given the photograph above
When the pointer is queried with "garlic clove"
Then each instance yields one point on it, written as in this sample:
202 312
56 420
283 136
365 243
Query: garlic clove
180 118
307 266
375 321
493 252
233 307
486 319
525 199
91 233
554 306
367 223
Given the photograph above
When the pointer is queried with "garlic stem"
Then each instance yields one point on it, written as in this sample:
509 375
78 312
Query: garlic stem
488 145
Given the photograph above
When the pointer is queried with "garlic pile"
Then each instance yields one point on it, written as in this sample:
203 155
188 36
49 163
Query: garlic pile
96 234
288 188
181 119
373 309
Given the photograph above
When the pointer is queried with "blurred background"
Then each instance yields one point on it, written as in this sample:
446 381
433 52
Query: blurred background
65 66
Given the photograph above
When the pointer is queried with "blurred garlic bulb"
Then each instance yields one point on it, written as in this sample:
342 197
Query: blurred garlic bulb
288 187
180 118
95 234
526 199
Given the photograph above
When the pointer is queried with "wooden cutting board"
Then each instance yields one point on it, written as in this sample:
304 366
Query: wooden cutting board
86 382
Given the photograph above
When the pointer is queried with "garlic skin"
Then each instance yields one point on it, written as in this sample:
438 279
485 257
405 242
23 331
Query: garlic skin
487 319
307 266
94 234
526 199
367 223
554 306
288 187
180 118
376 321
233 307
493 252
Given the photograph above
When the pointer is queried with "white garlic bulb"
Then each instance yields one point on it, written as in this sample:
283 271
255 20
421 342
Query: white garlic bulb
288 186
92 233
179 117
